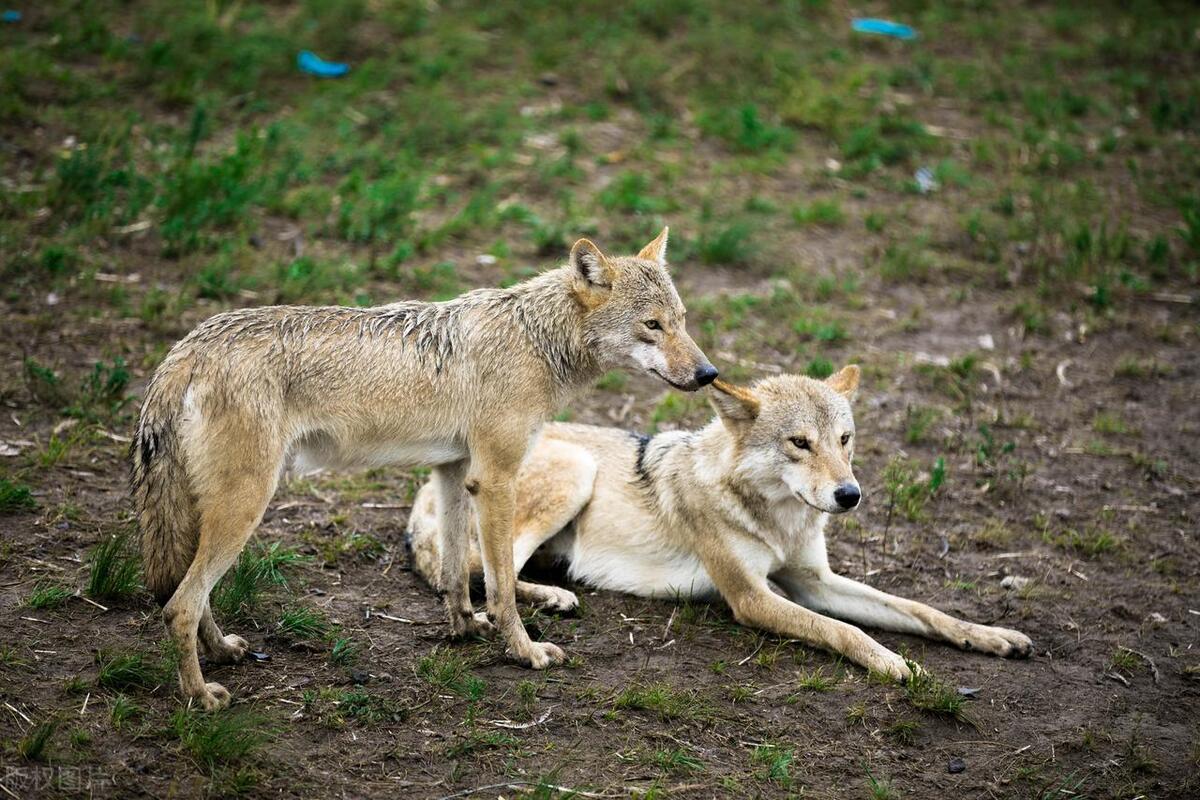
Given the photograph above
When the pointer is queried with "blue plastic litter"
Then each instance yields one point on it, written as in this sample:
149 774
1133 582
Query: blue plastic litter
884 27
11 16
313 64
926 183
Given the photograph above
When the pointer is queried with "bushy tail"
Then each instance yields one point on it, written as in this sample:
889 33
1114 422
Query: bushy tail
166 510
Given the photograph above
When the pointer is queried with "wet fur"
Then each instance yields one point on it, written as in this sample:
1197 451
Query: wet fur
462 386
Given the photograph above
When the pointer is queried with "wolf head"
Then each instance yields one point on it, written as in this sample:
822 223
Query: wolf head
795 436
633 315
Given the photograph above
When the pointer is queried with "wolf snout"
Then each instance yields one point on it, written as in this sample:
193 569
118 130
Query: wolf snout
847 495
705 374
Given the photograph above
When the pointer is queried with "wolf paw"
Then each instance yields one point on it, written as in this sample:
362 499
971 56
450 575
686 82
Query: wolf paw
893 665
467 626
551 598
230 650
1003 642
214 696
544 654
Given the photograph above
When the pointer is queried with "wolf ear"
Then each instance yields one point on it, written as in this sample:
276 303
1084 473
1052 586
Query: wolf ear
656 250
591 265
845 381
734 403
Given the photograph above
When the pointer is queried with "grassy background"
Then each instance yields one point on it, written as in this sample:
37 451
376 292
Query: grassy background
1028 323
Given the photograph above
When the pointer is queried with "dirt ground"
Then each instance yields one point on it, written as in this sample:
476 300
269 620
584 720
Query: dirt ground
1072 465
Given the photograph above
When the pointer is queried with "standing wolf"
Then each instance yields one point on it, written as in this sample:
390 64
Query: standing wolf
462 386
730 509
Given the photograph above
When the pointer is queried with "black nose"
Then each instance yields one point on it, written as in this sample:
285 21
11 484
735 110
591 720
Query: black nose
706 375
847 495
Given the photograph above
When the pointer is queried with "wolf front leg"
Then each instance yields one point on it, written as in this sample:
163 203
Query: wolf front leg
491 480
825 591
754 604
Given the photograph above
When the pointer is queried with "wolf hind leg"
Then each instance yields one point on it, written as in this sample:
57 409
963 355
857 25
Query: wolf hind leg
456 530
231 505
553 485
221 649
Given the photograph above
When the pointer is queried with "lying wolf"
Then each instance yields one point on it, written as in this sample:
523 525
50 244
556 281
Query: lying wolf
727 509
462 386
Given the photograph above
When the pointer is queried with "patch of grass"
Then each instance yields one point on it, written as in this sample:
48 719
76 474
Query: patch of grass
44 384
907 261
818 327
102 395
1141 367
258 569
303 624
819 368
123 670
33 745
15 497
613 381
114 569
220 738
903 730
1109 423
1090 542
907 491
880 788
675 408
917 422
826 213
932 696
526 698
344 653
727 243
775 763
816 681
475 741
1126 660
353 544
48 595
677 761
745 129
630 192
448 670
123 711
660 699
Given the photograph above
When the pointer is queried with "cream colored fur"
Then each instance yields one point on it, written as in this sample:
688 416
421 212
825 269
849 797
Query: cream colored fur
727 510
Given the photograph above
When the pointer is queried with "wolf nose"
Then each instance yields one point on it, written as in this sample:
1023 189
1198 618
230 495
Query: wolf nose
847 495
706 375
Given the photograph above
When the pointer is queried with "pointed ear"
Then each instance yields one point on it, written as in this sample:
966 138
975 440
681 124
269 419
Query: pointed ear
591 265
734 403
656 250
845 381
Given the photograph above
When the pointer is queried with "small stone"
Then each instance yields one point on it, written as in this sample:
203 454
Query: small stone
986 342
956 766
1157 618
1017 582
548 79
969 692
358 677
485 260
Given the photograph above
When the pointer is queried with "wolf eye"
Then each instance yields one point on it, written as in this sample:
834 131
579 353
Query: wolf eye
653 324
845 439
800 442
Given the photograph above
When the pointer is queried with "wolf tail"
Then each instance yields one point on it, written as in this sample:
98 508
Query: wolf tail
166 509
